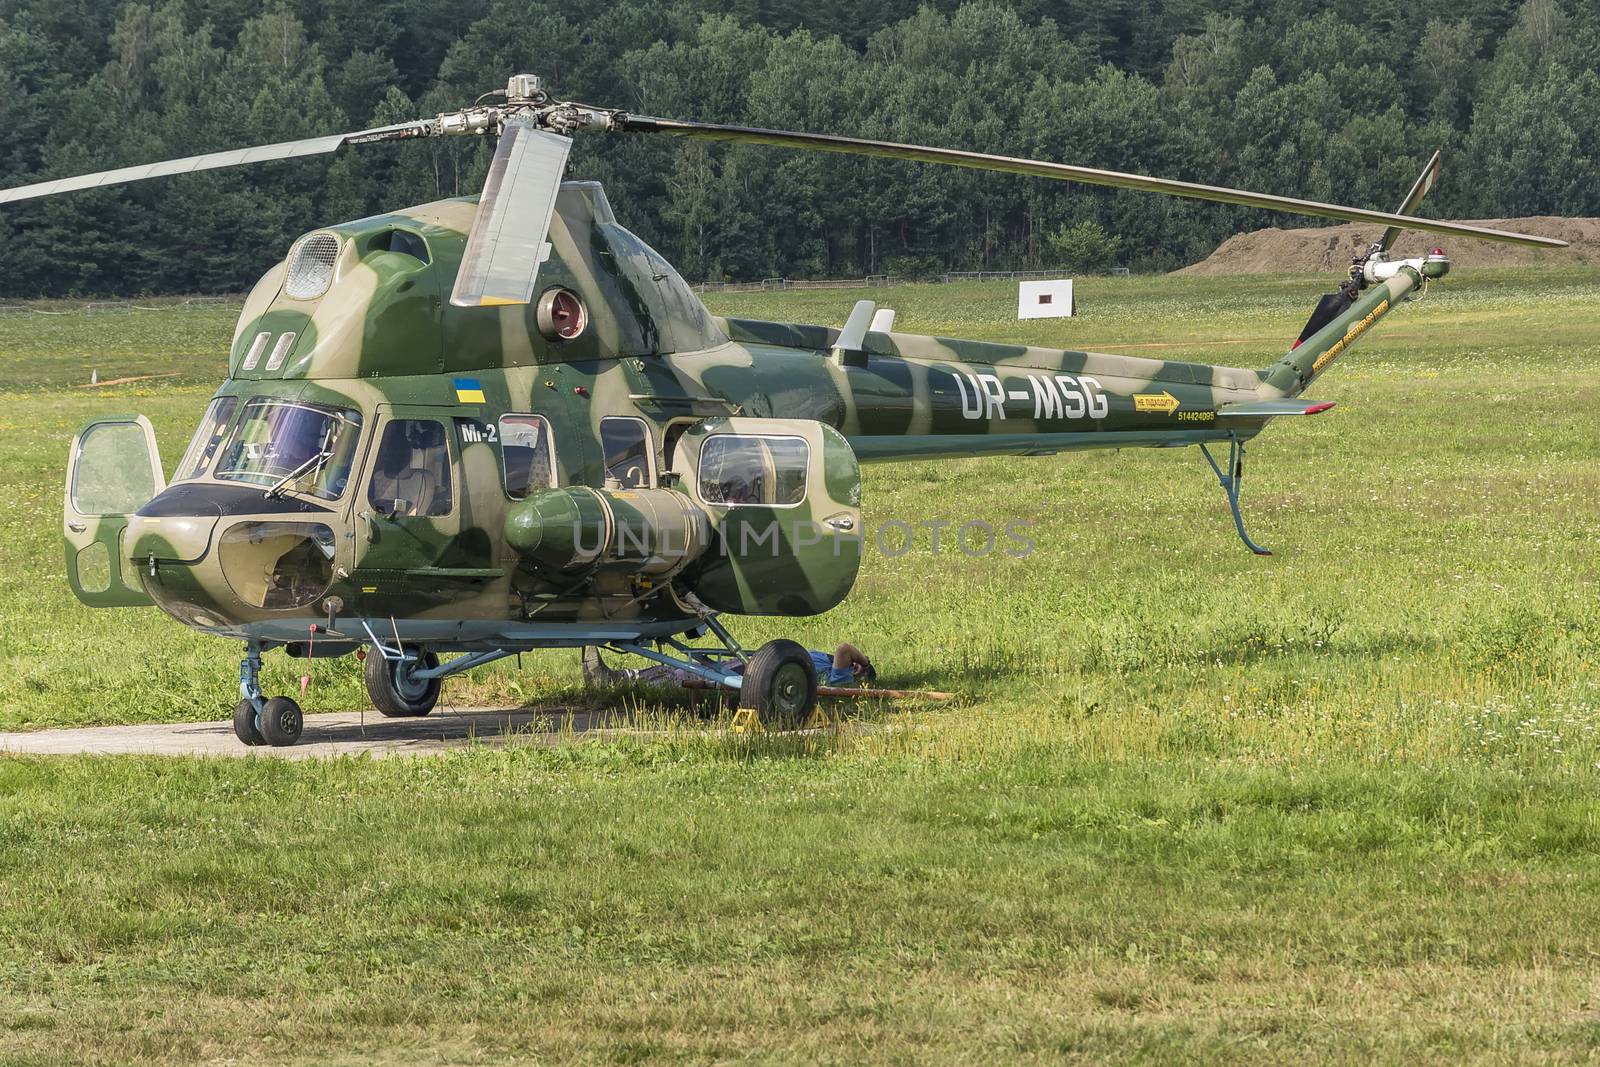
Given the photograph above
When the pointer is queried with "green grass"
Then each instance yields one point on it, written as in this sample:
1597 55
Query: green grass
694 901
1189 804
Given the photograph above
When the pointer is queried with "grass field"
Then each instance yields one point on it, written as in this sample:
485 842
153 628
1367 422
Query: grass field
1190 804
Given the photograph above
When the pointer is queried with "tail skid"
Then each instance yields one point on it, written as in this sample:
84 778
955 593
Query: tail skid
1231 479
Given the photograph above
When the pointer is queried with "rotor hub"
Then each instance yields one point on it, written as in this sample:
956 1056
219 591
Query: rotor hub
526 89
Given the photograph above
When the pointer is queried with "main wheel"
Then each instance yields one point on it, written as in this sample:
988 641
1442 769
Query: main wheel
281 722
395 689
244 724
781 684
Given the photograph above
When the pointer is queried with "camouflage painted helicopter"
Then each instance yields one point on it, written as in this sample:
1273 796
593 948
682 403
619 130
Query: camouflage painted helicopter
504 423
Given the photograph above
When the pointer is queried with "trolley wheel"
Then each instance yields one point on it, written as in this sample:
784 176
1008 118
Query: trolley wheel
396 691
780 684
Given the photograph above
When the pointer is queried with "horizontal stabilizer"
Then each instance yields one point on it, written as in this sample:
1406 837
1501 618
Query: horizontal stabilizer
1270 409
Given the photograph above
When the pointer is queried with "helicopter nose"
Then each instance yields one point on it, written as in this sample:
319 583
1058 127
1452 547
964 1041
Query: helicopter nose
216 556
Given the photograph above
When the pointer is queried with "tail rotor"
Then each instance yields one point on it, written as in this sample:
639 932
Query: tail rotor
1362 271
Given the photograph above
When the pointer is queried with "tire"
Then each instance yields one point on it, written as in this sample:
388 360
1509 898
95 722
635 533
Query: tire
781 684
244 724
394 692
281 722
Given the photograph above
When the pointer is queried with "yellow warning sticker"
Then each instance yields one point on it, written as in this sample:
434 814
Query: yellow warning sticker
1163 402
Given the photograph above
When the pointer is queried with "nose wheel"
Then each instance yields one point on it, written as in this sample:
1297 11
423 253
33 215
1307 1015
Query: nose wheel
244 724
280 722
257 720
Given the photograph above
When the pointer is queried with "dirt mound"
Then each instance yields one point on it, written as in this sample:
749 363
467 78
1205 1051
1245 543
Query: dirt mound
1330 248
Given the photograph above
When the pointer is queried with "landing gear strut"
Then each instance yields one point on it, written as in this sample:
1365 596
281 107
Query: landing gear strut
777 684
1230 479
258 720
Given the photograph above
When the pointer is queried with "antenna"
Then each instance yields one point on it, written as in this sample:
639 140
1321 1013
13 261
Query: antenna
847 349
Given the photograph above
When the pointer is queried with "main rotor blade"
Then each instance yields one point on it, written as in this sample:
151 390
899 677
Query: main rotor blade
1063 172
1419 189
234 157
507 242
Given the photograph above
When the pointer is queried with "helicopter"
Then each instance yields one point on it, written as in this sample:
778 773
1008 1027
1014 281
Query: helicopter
495 424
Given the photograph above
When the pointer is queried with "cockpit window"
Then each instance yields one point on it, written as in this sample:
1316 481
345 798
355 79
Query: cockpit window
207 438
308 448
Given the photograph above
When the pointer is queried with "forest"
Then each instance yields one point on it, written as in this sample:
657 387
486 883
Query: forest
1330 102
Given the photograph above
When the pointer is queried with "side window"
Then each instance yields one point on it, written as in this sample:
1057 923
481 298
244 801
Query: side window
525 451
411 472
738 469
207 438
626 443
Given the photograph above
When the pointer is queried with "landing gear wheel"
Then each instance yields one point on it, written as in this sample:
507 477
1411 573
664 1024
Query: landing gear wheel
781 684
281 722
396 691
244 724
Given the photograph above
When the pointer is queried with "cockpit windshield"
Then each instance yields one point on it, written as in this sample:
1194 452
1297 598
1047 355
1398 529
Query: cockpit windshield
207 438
308 449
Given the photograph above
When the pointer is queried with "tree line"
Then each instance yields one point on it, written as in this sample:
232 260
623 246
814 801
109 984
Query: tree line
1331 102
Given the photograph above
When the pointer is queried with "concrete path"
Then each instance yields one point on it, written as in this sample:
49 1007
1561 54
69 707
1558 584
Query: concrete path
332 734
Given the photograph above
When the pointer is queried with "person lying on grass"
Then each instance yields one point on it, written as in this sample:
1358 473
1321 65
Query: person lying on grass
848 666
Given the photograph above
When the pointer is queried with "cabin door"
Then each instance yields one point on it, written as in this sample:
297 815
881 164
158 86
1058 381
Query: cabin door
113 470
413 549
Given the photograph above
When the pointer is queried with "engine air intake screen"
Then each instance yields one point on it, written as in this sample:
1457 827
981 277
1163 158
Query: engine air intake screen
311 266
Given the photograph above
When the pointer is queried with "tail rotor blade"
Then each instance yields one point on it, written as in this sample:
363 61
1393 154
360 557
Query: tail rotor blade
507 243
1419 189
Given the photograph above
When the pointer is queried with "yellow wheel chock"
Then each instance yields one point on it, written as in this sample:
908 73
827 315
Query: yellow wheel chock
821 720
748 721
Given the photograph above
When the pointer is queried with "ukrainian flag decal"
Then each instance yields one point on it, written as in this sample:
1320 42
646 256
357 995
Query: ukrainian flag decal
469 391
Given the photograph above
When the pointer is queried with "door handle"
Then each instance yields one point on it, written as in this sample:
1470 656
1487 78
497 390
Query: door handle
77 527
843 523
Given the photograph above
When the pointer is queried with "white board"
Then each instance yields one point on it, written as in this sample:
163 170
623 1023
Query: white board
1050 299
